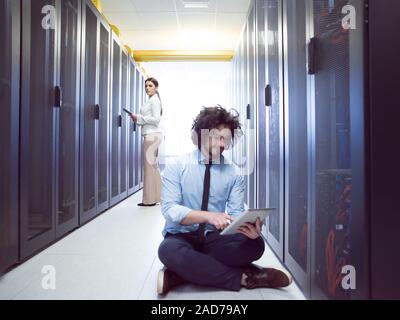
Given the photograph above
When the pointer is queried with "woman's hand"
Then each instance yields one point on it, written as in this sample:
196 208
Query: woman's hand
252 231
134 118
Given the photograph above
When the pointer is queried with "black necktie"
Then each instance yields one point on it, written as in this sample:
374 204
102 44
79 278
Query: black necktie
204 203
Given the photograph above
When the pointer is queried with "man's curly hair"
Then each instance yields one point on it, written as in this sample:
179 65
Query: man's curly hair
211 118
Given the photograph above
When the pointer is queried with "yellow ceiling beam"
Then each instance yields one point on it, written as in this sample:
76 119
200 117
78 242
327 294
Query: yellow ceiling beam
173 55
116 30
97 4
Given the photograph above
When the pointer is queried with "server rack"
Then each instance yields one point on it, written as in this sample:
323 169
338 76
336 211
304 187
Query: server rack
48 188
67 216
137 133
330 69
141 153
275 116
260 107
10 17
55 92
381 129
132 186
124 171
251 109
94 123
297 253
118 121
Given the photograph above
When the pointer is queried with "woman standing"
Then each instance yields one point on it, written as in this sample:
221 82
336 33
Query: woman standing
149 118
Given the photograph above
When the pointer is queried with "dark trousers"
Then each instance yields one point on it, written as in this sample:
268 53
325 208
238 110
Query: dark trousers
217 262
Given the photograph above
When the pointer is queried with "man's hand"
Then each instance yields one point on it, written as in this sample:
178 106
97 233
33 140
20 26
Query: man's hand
252 231
219 220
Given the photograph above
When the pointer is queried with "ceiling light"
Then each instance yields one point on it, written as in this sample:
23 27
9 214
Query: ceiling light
200 4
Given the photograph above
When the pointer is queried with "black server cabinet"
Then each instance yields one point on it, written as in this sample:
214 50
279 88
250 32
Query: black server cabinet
132 130
245 106
337 178
354 176
67 216
142 99
124 125
297 135
251 109
48 181
118 121
10 19
242 159
383 167
275 124
115 128
138 144
94 115
262 93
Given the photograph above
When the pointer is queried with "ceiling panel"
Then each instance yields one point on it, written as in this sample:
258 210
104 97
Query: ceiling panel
231 21
117 5
144 21
212 7
154 5
192 21
153 24
238 6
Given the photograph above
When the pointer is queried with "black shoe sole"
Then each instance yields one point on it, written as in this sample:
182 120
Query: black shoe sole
146 205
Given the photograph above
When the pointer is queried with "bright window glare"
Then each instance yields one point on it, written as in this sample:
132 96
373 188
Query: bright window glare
185 87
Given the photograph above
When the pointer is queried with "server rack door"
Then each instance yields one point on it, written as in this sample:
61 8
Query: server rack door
297 212
141 157
68 146
251 103
10 17
245 109
124 145
383 166
233 97
239 157
138 144
38 126
235 105
261 107
240 160
275 152
243 155
333 182
131 129
88 132
115 123
104 117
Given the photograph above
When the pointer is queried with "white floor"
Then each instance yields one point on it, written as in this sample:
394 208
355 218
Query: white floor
115 257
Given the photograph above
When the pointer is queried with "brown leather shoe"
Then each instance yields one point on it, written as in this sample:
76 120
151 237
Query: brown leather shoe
267 278
167 279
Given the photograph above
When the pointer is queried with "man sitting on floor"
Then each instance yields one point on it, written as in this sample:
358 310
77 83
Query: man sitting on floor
201 195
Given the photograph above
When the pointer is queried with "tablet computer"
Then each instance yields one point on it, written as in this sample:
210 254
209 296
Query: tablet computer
127 111
251 216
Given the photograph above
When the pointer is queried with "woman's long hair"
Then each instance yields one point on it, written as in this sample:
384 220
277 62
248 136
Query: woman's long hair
155 82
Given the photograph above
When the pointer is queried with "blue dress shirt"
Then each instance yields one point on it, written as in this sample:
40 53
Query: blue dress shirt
182 191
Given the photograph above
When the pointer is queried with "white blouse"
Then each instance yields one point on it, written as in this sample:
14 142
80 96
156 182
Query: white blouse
150 116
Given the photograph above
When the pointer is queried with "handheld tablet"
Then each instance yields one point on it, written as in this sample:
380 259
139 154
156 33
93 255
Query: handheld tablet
127 111
250 215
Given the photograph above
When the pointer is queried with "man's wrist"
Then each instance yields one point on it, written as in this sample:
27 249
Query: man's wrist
206 215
